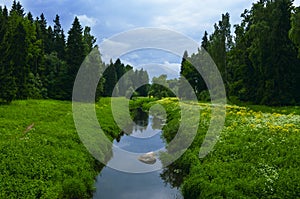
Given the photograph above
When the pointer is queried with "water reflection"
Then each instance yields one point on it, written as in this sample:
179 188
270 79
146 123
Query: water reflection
140 117
172 175
145 136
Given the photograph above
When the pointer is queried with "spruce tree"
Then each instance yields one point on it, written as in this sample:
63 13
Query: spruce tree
75 54
59 38
110 77
204 43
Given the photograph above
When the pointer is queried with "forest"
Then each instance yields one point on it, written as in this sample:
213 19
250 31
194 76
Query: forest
39 62
257 153
259 62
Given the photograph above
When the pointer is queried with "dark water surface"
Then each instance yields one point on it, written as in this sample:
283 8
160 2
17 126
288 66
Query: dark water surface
113 184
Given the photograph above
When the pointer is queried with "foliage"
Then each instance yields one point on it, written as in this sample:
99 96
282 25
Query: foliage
44 161
161 87
259 64
40 62
121 80
48 160
255 156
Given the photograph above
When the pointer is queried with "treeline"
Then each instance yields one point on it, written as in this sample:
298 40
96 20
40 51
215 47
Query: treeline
39 61
259 63
124 85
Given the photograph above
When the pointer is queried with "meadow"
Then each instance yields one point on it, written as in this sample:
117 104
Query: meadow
41 155
257 154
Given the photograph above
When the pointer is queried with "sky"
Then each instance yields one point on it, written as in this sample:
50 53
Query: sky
110 17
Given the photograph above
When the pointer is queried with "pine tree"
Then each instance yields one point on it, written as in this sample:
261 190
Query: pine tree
29 17
186 72
204 43
8 87
17 8
59 38
15 56
110 77
74 55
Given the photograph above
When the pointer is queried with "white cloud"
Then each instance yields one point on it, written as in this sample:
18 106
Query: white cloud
109 17
87 21
3 2
196 16
175 67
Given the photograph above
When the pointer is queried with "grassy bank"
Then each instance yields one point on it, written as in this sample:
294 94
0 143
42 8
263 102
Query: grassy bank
257 155
41 155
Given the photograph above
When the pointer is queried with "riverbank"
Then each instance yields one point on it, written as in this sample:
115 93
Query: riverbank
256 156
41 153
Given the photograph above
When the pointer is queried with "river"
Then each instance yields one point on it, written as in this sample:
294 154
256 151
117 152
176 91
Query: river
114 184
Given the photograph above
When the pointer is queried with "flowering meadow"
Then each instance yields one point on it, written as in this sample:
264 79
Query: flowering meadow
257 154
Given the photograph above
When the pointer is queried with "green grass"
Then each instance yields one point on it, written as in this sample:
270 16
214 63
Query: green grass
256 156
48 161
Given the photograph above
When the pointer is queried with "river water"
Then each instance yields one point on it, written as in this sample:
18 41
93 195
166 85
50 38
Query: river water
114 184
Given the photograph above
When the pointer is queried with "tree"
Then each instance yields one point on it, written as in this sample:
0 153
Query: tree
190 76
111 80
240 71
75 54
17 8
59 38
144 80
220 43
30 17
8 87
15 56
160 87
55 73
88 40
205 42
294 35
272 53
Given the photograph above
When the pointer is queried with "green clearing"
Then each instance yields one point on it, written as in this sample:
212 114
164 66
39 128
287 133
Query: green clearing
49 161
257 155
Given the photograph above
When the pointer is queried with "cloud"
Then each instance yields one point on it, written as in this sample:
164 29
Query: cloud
5 2
87 21
172 70
193 17
109 17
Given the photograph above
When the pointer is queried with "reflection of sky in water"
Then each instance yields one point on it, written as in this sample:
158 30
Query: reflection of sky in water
148 131
140 145
143 139
116 184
